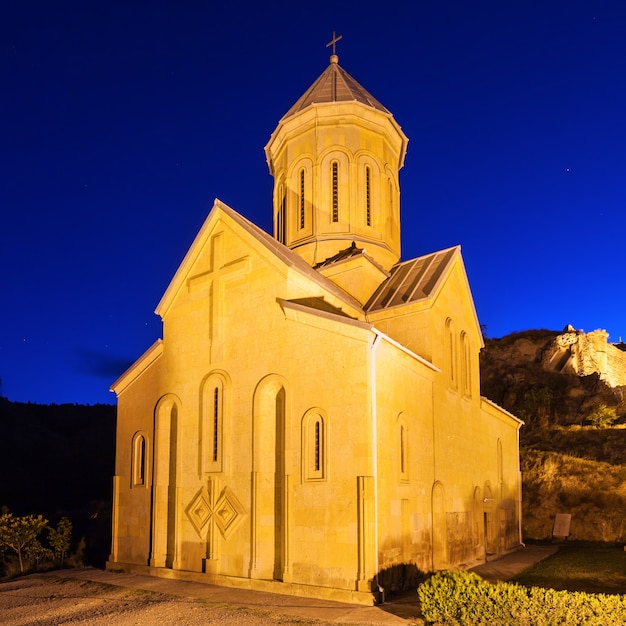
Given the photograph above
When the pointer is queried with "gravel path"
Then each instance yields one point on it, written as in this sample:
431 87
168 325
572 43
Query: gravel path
48 600
35 600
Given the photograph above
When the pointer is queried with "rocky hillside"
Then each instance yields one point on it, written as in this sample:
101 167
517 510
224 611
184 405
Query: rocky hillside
573 446
516 374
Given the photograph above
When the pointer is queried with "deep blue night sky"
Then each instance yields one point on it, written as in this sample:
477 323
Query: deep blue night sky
120 122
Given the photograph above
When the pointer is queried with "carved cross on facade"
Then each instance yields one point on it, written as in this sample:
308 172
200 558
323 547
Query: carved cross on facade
214 279
333 42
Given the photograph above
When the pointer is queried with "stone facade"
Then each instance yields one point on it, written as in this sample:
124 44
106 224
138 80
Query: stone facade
587 353
311 422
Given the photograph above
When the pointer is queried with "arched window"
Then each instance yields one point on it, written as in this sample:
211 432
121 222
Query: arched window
403 449
500 463
466 371
451 357
281 226
368 195
314 446
335 191
301 198
216 423
212 411
139 460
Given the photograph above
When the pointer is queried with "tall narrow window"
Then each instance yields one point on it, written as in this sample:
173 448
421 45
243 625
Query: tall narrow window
216 423
139 460
317 462
368 196
301 198
451 357
403 444
466 373
335 187
280 217
214 417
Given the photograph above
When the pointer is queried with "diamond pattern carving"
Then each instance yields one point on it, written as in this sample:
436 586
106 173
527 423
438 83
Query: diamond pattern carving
225 514
228 512
199 510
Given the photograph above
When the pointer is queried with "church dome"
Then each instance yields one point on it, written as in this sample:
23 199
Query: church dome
335 157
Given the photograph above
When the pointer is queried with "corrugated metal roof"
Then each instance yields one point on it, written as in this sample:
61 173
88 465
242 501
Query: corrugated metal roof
335 85
410 281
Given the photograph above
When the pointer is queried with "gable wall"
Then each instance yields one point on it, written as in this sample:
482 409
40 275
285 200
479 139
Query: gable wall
255 350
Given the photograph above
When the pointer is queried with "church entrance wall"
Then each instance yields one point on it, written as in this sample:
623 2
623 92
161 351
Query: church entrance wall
269 498
164 492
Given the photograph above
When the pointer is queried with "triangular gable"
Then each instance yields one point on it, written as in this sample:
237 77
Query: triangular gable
418 280
274 251
138 367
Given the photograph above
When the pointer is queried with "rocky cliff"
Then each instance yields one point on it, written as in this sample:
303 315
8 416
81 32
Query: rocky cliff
549 377
557 382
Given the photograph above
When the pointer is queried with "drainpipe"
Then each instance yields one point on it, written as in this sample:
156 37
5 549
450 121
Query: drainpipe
380 589
519 491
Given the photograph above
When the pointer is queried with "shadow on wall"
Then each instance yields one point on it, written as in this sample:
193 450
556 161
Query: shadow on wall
400 577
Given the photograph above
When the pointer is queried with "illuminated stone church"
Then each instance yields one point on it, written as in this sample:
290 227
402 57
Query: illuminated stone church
311 422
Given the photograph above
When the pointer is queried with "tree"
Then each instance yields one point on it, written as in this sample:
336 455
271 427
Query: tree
602 416
18 534
59 539
535 407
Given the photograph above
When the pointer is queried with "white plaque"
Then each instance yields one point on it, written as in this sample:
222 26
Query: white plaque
561 525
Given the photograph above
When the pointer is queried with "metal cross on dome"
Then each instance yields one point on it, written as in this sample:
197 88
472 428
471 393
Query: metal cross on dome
333 42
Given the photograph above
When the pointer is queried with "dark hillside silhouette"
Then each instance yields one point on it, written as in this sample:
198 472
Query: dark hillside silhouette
59 460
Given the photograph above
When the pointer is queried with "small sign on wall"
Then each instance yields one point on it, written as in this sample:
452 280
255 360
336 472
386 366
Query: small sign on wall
562 523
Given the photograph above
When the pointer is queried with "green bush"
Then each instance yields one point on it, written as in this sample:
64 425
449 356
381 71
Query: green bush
602 416
465 599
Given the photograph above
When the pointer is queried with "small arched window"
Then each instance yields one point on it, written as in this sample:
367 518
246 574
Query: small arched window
314 446
335 191
139 460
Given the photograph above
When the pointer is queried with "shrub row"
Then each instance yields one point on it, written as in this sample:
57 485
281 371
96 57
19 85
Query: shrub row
464 598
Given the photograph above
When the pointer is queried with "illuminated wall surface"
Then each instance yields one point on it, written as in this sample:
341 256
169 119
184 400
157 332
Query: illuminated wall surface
312 418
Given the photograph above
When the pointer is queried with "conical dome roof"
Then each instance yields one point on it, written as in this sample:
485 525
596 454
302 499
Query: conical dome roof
335 85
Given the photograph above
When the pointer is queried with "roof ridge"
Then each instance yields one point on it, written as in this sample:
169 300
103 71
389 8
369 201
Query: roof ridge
334 84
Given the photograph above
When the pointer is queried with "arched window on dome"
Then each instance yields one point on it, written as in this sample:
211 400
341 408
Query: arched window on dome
281 226
368 195
335 191
301 199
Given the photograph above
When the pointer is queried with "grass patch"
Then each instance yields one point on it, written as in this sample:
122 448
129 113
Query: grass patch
580 567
